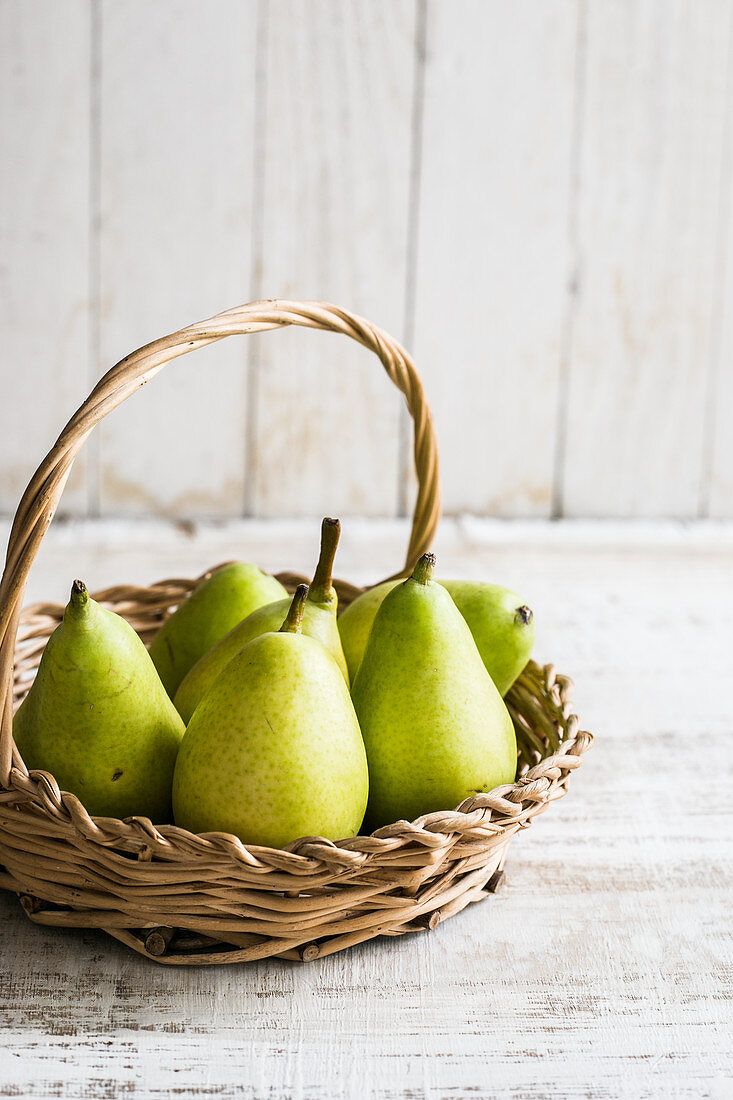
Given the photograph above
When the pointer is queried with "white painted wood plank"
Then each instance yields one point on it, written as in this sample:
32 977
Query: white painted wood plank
717 492
718 498
604 968
652 148
493 247
178 87
44 235
336 149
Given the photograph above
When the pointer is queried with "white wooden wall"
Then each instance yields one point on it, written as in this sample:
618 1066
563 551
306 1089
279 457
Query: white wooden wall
536 197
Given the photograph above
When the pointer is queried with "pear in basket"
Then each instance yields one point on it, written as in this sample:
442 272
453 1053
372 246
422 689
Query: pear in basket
211 611
319 621
501 623
273 751
98 718
435 727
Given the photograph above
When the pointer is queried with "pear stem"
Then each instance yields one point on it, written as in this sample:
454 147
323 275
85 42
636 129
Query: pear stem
79 600
79 592
423 571
321 589
294 618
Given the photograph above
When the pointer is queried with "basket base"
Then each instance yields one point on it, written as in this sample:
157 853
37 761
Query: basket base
174 946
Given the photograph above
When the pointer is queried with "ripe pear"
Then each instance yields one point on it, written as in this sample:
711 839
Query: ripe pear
319 621
501 623
356 620
210 612
273 751
98 718
435 727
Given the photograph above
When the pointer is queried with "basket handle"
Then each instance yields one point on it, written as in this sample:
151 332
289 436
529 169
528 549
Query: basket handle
40 500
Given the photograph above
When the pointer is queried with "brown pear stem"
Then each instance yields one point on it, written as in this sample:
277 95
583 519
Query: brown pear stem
423 571
321 589
294 618
79 599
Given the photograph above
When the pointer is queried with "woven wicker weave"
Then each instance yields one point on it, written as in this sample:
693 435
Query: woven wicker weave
181 898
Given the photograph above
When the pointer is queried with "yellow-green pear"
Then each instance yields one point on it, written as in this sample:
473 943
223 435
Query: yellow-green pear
501 623
356 620
98 718
435 728
319 621
210 612
273 751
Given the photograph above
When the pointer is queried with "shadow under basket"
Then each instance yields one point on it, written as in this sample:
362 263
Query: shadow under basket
180 898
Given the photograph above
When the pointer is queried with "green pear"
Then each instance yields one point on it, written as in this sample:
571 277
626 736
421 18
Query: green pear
435 727
356 620
501 623
273 751
319 621
210 612
98 718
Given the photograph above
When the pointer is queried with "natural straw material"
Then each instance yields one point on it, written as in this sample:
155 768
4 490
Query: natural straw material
181 898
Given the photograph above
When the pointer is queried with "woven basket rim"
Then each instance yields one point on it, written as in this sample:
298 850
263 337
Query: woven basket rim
430 830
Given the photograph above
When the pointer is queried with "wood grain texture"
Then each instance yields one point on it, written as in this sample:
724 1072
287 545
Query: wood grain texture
603 968
653 124
717 488
335 158
44 234
177 126
718 494
540 205
493 250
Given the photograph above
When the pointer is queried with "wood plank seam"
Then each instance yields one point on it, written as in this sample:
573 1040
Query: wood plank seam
404 457
724 260
574 259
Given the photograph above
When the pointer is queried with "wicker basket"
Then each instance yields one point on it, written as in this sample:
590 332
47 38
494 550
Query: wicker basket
186 899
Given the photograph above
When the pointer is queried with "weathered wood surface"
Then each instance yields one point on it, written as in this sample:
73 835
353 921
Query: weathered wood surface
177 93
45 235
535 196
717 475
654 123
602 969
491 299
333 171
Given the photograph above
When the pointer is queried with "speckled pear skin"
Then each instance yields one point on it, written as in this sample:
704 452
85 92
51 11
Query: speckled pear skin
210 612
355 622
98 718
273 752
318 621
434 725
501 623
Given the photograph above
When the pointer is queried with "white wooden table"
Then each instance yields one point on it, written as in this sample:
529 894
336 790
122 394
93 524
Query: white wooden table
603 969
